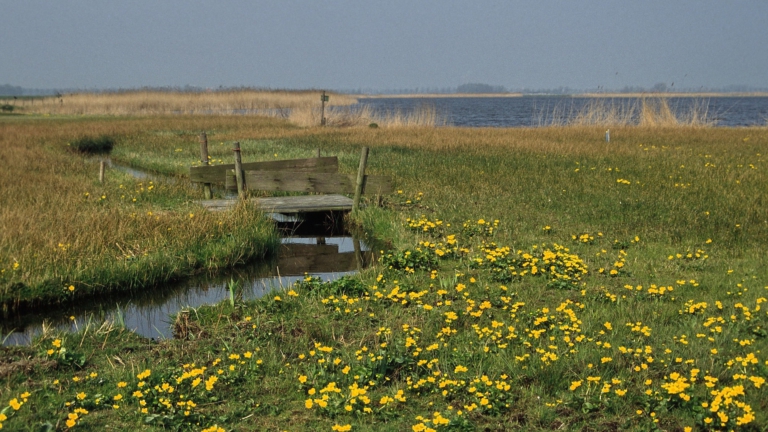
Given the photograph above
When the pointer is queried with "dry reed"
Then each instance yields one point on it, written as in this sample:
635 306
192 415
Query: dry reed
615 112
425 116
272 103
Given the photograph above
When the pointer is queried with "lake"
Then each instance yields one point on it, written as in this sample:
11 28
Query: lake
528 111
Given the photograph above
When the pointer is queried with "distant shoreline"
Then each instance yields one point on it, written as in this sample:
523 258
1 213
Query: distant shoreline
438 95
574 95
669 95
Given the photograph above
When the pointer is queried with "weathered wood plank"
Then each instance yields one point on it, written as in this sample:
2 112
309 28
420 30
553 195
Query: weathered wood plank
216 173
288 205
291 181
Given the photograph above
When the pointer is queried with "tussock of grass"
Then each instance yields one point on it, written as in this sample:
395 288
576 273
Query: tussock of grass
102 144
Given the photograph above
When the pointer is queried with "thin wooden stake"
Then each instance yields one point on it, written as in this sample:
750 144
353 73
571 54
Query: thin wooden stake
360 179
317 153
322 109
102 168
239 172
204 159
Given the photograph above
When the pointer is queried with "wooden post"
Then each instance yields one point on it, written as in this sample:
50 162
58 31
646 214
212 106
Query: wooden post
323 98
360 179
317 153
102 168
204 159
239 171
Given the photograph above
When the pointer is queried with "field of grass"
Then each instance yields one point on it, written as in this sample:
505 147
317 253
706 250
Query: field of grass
146 102
65 236
539 279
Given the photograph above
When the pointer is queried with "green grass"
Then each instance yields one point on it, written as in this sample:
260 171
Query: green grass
456 303
66 237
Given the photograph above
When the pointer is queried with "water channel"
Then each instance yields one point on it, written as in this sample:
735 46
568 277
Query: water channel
315 244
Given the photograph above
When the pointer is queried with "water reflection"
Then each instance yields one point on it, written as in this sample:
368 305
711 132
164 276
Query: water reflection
148 312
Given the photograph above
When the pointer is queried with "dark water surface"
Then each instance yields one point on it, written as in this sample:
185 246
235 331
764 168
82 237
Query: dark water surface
149 312
531 111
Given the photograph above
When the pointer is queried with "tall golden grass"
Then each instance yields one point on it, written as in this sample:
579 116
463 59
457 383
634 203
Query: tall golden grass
273 103
424 116
59 224
615 112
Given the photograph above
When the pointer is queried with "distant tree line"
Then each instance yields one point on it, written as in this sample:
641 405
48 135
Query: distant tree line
9 90
480 88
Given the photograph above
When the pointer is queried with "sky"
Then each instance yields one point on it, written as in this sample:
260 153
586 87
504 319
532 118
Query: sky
350 44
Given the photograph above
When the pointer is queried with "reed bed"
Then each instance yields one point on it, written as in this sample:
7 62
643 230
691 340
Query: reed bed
265 102
357 116
615 112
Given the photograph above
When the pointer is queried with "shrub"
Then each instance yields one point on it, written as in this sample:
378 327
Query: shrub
102 144
6 108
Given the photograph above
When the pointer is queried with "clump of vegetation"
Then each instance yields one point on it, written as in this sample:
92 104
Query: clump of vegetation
6 108
102 144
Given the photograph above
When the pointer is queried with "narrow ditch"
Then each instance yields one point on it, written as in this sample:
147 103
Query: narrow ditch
317 245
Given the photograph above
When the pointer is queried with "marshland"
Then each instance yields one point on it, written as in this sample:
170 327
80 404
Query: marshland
529 278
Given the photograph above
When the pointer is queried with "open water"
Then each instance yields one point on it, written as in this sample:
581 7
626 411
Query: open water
532 111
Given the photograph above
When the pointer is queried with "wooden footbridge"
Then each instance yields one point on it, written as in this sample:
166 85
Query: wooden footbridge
319 176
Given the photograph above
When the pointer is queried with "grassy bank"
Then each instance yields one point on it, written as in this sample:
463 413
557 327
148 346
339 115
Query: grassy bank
540 279
66 236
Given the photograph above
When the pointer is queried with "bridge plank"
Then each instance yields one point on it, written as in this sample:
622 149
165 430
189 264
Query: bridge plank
216 173
291 181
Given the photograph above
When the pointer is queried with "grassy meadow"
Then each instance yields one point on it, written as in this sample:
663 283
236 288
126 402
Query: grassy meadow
538 279
66 236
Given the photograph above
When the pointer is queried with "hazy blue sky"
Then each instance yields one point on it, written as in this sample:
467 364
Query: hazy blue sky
384 44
